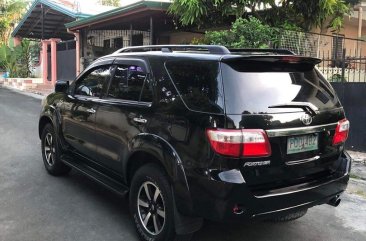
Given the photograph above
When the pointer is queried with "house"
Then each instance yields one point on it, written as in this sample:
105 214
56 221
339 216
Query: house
45 20
139 23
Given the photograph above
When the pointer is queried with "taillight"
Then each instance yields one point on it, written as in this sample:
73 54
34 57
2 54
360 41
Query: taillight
225 142
255 143
236 143
341 132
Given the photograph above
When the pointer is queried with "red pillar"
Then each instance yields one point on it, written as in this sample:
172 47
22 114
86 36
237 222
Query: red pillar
17 41
54 60
44 61
77 39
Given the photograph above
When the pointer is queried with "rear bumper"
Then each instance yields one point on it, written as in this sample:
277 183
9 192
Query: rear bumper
216 199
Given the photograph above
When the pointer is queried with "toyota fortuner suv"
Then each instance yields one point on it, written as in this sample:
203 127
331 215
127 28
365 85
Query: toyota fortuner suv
200 132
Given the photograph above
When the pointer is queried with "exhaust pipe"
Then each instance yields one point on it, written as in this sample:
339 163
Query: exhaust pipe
238 209
335 201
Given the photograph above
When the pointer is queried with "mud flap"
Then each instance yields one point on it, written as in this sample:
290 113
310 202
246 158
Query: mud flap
185 226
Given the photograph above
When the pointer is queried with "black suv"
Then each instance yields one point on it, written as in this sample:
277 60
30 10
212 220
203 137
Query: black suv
201 132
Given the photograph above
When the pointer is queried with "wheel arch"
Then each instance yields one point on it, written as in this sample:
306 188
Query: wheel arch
138 159
51 114
150 148
43 121
147 148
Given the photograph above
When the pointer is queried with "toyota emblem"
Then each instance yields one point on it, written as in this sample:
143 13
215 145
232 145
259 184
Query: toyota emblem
306 119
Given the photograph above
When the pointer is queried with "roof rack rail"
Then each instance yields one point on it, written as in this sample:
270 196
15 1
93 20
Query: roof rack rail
276 51
212 49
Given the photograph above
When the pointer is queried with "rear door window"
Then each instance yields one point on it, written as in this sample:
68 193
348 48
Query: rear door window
252 92
131 83
198 83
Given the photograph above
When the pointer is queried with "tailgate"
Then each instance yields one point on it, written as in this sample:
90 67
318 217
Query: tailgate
289 99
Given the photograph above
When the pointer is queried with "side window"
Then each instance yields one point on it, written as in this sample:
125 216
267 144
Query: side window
130 82
92 83
198 83
165 88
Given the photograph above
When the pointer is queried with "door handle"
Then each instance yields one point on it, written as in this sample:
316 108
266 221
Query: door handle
91 110
140 120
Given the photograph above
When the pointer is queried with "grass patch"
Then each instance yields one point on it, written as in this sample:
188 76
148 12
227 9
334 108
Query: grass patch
360 193
355 176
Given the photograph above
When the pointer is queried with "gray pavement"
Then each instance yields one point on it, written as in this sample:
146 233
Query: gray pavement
37 207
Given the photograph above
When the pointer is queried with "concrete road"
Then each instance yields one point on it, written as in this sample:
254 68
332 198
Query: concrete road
37 207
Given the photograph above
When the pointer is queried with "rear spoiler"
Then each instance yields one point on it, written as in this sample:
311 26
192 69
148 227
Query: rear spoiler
290 59
270 63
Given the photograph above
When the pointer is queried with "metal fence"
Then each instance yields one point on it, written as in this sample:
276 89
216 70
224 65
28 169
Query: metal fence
344 65
343 59
102 42
111 40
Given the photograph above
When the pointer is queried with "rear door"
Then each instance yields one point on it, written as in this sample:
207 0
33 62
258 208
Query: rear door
124 112
289 99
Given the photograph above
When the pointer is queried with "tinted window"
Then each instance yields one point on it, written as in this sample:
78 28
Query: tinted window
129 83
198 83
253 92
166 93
93 82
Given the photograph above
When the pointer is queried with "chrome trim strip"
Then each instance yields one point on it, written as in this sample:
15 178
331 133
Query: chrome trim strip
114 101
290 163
283 209
300 130
301 190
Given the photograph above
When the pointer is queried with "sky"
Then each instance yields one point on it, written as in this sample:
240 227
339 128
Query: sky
123 2
92 6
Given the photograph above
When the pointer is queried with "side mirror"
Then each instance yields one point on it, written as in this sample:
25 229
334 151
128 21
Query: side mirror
62 86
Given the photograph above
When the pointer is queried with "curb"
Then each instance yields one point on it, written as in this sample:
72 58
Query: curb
359 181
357 156
33 95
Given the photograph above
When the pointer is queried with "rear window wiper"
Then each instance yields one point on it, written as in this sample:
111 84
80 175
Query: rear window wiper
306 106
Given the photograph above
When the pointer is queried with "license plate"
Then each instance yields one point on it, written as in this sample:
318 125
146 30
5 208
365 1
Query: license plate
304 143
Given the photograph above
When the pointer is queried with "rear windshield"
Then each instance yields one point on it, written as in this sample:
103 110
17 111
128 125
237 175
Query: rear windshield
252 92
199 84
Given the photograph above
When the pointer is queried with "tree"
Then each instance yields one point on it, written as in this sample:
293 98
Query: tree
114 3
8 60
304 14
318 13
10 12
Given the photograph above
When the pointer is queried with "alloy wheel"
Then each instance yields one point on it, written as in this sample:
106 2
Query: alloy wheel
49 149
151 208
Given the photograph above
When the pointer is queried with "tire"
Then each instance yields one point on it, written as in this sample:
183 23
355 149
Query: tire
151 200
51 153
289 217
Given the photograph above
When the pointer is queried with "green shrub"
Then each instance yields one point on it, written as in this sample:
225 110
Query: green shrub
17 61
244 33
